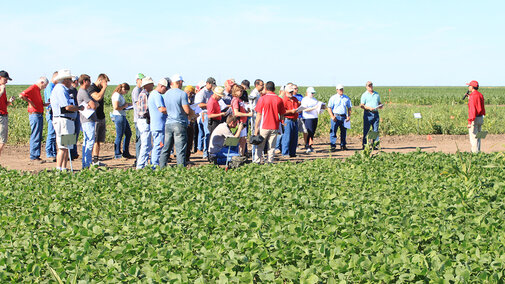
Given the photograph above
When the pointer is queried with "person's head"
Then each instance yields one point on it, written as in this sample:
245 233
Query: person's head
64 77
228 84
4 77
246 84
122 88
295 88
311 92
236 91
289 91
162 86
473 86
176 81
232 121
147 84
138 80
84 81
259 85
340 89
190 90
369 86
210 84
75 82
270 86
53 79
102 80
42 82
218 93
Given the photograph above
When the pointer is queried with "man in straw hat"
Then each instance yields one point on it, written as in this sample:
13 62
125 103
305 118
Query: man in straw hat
143 120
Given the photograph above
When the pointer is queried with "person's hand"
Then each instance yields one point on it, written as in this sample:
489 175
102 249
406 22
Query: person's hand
469 126
347 119
46 104
104 83
334 118
81 108
12 99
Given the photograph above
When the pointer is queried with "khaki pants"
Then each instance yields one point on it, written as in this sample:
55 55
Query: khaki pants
475 128
270 137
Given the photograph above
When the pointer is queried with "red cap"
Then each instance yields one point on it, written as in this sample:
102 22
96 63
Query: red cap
474 84
230 82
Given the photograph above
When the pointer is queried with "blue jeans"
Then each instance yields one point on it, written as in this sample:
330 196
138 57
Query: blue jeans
334 129
137 141
36 125
203 136
122 128
175 134
88 132
51 137
290 138
145 143
278 144
77 124
370 119
158 140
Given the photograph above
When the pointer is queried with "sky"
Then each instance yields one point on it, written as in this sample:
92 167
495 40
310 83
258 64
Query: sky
311 43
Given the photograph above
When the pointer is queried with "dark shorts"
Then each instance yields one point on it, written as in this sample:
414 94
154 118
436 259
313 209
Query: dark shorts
100 131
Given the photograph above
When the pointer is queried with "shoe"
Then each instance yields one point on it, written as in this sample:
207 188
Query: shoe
98 164
128 156
118 156
343 148
38 161
75 157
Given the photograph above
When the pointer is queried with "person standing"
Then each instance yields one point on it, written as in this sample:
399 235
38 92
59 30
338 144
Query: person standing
176 103
97 92
227 97
123 128
301 125
143 120
51 135
269 111
135 96
310 117
4 103
202 98
339 109
290 135
254 96
242 115
247 86
73 95
158 114
214 113
87 123
371 103
36 116
476 113
64 115
192 128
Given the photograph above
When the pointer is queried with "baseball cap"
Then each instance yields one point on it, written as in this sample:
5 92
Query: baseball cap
140 76
176 77
163 82
4 74
76 78
340 86
147 81
219 91
311 90
230 82
473 83
289 89
246 83
189 88
369 83
211 80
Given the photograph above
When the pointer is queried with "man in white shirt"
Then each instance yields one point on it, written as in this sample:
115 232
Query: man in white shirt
217 151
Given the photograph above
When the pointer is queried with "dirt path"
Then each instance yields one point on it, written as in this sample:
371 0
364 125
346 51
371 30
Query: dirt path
17 156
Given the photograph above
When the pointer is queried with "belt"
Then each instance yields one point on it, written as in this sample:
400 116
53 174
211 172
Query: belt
73 119
34 112
341 115
479 116
375 111
1 114
292 119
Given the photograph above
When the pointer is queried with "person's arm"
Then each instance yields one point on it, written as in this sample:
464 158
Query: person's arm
348 114
215 115
332 116
26 99
257 124
74 108
239 129
97 96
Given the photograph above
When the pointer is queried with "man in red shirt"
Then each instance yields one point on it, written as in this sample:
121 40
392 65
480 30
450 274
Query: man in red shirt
214 112
476 112
270 110
36 111
290 135
4 120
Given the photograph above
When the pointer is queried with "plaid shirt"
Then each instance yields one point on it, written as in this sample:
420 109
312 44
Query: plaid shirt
142 106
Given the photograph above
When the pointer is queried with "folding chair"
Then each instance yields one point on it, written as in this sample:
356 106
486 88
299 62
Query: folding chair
68 140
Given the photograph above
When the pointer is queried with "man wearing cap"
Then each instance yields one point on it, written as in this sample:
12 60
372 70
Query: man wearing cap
290 136
371 103
4 103
476 113
176 102
51 135
135 96
339 109
269 110
143 120
97 92
64 115
158 114
214 113
36 112
87 123
202 98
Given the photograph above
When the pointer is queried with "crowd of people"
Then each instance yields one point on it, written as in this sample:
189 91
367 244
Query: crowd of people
211 120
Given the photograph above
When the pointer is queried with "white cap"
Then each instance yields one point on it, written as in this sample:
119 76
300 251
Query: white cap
282 88
163 82
147 81
289 89
176 77
340 86
311 90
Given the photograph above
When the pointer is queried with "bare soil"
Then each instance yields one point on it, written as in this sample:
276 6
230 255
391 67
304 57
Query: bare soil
16 157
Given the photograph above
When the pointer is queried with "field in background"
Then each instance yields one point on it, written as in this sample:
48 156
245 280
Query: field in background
442 110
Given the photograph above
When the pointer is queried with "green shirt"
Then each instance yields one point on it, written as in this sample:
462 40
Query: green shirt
371 100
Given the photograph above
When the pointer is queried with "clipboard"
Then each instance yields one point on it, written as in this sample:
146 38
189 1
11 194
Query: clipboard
481 135
231 141
372 135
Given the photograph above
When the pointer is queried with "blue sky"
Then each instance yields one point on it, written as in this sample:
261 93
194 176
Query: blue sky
419 43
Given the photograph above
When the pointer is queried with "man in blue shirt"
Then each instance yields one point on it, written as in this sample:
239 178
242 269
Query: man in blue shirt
176 103
158 113
64 115
339 109
371 103
51 135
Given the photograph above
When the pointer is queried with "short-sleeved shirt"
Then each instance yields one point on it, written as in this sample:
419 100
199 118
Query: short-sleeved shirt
33 93
203 96
83 96
135 97
370 100
158 119
299 97
213 108
238 104
142 106
99 110
117 97
3 102
227 98
60 98
174 100
290 104
340 104
308 103
270 106
254 97
217 138
47 92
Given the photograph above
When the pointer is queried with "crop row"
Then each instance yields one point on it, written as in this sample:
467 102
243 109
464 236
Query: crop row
441 220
